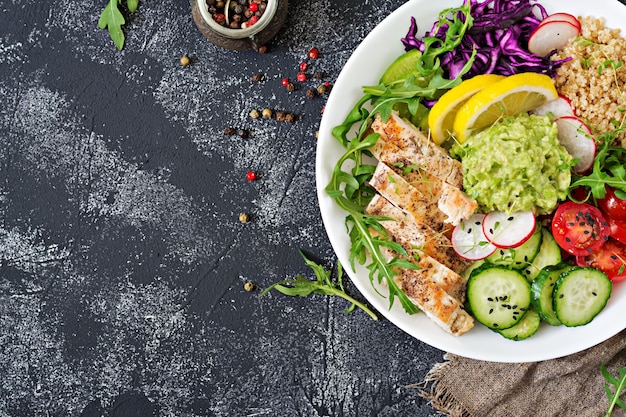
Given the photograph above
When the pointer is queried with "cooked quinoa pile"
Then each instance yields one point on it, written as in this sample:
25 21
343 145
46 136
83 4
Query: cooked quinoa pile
595 79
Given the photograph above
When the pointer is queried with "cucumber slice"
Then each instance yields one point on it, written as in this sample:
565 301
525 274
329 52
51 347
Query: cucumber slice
526 327
549 254
542 289
402 67
580 294
498 297
521 256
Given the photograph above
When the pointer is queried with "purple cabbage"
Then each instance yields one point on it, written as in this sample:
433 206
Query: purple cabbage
499 33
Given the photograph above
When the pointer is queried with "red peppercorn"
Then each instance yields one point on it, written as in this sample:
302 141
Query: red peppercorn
303 66
254 7
323 108
327 84
284 81
314 53
251 176
301 77
253 20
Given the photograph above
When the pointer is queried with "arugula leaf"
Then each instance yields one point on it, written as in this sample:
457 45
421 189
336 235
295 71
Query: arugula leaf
324 285
112 19
618 385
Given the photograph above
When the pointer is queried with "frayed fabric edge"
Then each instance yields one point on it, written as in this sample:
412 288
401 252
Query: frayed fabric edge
440 398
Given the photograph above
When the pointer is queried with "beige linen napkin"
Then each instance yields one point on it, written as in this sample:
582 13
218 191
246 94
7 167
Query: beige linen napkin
569 386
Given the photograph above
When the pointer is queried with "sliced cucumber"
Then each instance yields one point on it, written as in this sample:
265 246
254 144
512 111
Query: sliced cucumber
402 67
468 271
498 297
580 294
521 256
542 289
526 327
549 254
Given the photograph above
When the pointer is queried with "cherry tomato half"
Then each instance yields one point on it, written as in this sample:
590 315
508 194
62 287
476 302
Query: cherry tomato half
610 259
618 229
612 205
579 229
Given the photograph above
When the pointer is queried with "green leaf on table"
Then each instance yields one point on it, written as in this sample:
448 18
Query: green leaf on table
618 384
323 285
132 5
112 19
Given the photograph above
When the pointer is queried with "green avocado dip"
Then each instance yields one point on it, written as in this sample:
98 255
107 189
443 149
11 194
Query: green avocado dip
515 165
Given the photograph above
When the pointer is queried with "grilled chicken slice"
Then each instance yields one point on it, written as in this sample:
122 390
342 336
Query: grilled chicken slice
416 239
451 200
444 309
418 149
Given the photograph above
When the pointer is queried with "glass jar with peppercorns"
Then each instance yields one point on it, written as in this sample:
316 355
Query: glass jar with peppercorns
239 24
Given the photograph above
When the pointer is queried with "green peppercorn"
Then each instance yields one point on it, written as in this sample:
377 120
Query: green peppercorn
249 286
254 113
322 89
185 60
244 217
266 113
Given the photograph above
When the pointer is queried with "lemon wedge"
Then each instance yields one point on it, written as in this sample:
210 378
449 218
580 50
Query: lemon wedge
512 95
442 114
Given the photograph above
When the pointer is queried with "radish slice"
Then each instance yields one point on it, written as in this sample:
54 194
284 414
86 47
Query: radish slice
468 239
550 36
576 137
509 230
563 17
559 107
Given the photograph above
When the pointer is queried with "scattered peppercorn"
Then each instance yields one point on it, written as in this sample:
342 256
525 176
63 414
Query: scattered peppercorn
251 176
257 77
244 217
262 49
285 82
311 93
314 53
290 117
303 66
301 77
229 131
319 75
291 88
322 89
280 116
266 113
249 286
254 114
243 133
185 60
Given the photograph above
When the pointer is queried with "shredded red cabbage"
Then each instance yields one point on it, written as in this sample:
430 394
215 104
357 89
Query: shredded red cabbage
500 33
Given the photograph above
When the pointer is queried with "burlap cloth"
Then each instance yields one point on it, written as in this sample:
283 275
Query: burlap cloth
569 386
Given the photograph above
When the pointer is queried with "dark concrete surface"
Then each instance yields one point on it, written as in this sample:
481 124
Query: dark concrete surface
122 257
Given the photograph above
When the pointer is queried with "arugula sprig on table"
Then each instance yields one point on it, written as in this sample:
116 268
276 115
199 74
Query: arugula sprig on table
348 185
324 285
112 19
618 383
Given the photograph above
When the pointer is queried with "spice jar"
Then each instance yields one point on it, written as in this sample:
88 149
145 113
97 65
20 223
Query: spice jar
242 36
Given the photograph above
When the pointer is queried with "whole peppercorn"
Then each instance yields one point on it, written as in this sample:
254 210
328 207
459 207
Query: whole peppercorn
303 65
311 93
322 89
254 114
229 131
285 82
251 176
301 77
318 75
258 77
291 88
290 117
280 116
185 60
266 113
262 49
314 53
248 286
234 25
244 217
243 133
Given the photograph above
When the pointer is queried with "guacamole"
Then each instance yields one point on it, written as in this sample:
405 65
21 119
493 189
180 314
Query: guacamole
515 165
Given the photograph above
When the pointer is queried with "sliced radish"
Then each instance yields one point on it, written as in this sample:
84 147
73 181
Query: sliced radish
509 230
576 137
563 17
550 36
556 108
468 239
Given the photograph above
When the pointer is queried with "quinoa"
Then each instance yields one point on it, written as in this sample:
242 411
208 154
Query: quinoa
594 80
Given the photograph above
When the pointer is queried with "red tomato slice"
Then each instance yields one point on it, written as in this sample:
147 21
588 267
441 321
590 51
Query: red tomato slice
618 229
610 259
579 229
612 205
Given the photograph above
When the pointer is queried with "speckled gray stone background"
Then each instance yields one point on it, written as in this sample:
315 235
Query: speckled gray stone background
122 259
